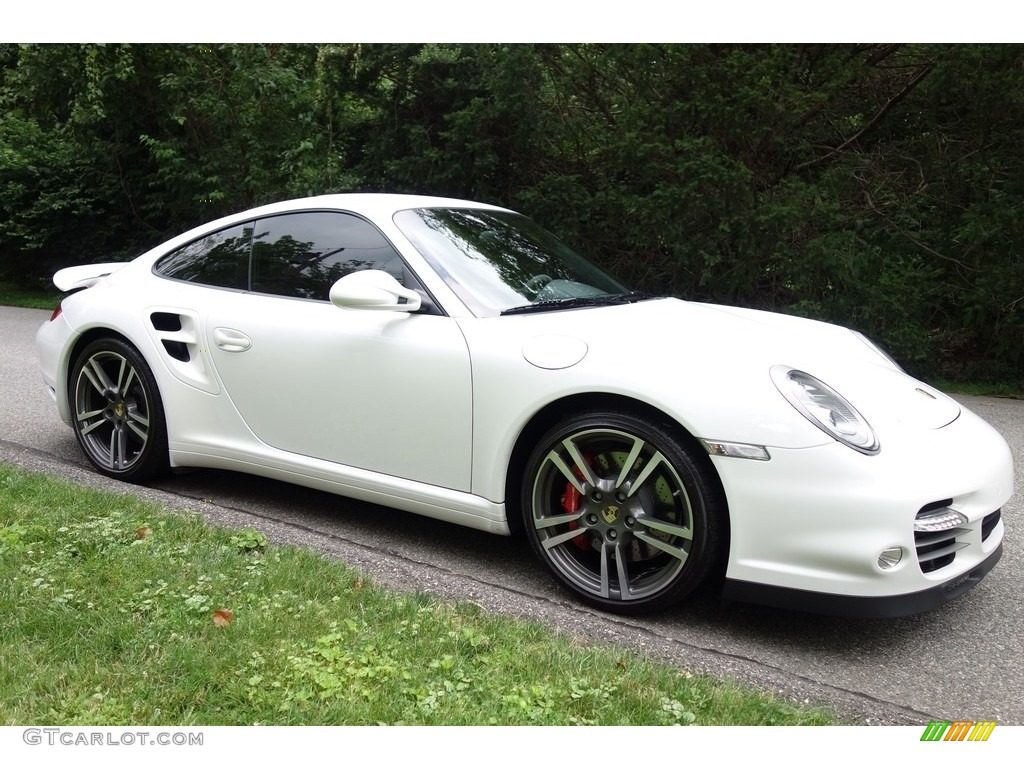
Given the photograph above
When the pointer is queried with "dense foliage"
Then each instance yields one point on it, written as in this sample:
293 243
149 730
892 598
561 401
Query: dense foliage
873 185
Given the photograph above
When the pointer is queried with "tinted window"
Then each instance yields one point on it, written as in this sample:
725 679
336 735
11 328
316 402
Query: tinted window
497 260
220 259
304 254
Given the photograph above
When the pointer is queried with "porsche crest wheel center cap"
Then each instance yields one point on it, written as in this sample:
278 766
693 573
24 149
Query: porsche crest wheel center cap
610 514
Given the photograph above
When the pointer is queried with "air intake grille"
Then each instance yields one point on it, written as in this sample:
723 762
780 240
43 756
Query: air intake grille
989 523
937 548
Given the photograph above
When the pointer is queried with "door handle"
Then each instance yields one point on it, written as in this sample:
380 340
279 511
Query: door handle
231 340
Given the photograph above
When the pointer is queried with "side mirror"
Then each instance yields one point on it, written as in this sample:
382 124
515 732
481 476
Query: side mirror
373 289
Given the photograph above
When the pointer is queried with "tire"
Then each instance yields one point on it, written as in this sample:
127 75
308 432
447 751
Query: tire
117 413
623 513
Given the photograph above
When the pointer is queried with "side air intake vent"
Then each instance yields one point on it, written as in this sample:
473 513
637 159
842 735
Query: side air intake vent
166 321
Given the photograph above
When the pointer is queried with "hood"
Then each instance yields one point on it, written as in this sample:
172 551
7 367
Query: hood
843 359
709 366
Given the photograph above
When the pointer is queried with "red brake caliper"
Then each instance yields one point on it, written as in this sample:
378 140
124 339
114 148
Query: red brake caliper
571 505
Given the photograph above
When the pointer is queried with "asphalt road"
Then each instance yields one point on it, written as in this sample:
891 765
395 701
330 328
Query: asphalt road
963 661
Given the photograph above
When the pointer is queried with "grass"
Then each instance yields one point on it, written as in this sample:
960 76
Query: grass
1004 389
13 295
113 611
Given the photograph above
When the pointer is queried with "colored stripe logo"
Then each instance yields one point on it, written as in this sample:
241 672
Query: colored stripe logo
958 730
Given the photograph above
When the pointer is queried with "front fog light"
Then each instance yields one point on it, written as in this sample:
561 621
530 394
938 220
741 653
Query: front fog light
944 519
890 558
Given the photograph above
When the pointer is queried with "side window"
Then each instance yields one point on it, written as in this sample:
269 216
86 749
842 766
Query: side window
304 254
220 259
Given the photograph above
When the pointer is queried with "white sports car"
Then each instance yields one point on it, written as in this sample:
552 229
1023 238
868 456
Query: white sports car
455 360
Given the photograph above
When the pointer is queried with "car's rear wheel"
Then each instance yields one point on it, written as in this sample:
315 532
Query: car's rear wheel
624 513
117 413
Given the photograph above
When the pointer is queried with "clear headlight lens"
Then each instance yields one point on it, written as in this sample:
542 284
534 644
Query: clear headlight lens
825 408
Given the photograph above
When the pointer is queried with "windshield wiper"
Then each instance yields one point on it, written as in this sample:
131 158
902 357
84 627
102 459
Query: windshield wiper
579 301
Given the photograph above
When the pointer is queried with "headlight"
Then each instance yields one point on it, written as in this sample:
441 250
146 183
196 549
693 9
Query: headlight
825 408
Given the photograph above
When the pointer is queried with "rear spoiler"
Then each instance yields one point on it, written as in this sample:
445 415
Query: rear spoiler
76 278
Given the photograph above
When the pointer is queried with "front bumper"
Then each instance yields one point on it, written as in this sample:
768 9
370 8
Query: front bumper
889 607
809 526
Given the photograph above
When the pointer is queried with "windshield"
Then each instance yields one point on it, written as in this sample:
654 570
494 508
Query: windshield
498 261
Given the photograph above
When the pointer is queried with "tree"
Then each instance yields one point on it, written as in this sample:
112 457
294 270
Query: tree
872 185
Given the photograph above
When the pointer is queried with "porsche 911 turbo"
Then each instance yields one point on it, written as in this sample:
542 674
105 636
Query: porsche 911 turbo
456 360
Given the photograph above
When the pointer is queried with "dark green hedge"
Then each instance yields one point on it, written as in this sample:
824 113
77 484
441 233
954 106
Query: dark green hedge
878 186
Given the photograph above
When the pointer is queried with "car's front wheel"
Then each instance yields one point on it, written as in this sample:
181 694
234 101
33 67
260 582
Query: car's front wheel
623 513
117 413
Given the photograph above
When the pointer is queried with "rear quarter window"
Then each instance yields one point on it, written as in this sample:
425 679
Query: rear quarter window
220 259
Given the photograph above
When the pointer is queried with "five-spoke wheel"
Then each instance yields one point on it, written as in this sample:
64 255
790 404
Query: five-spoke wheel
622 512
118 417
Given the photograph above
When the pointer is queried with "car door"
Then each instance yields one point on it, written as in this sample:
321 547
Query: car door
383 391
